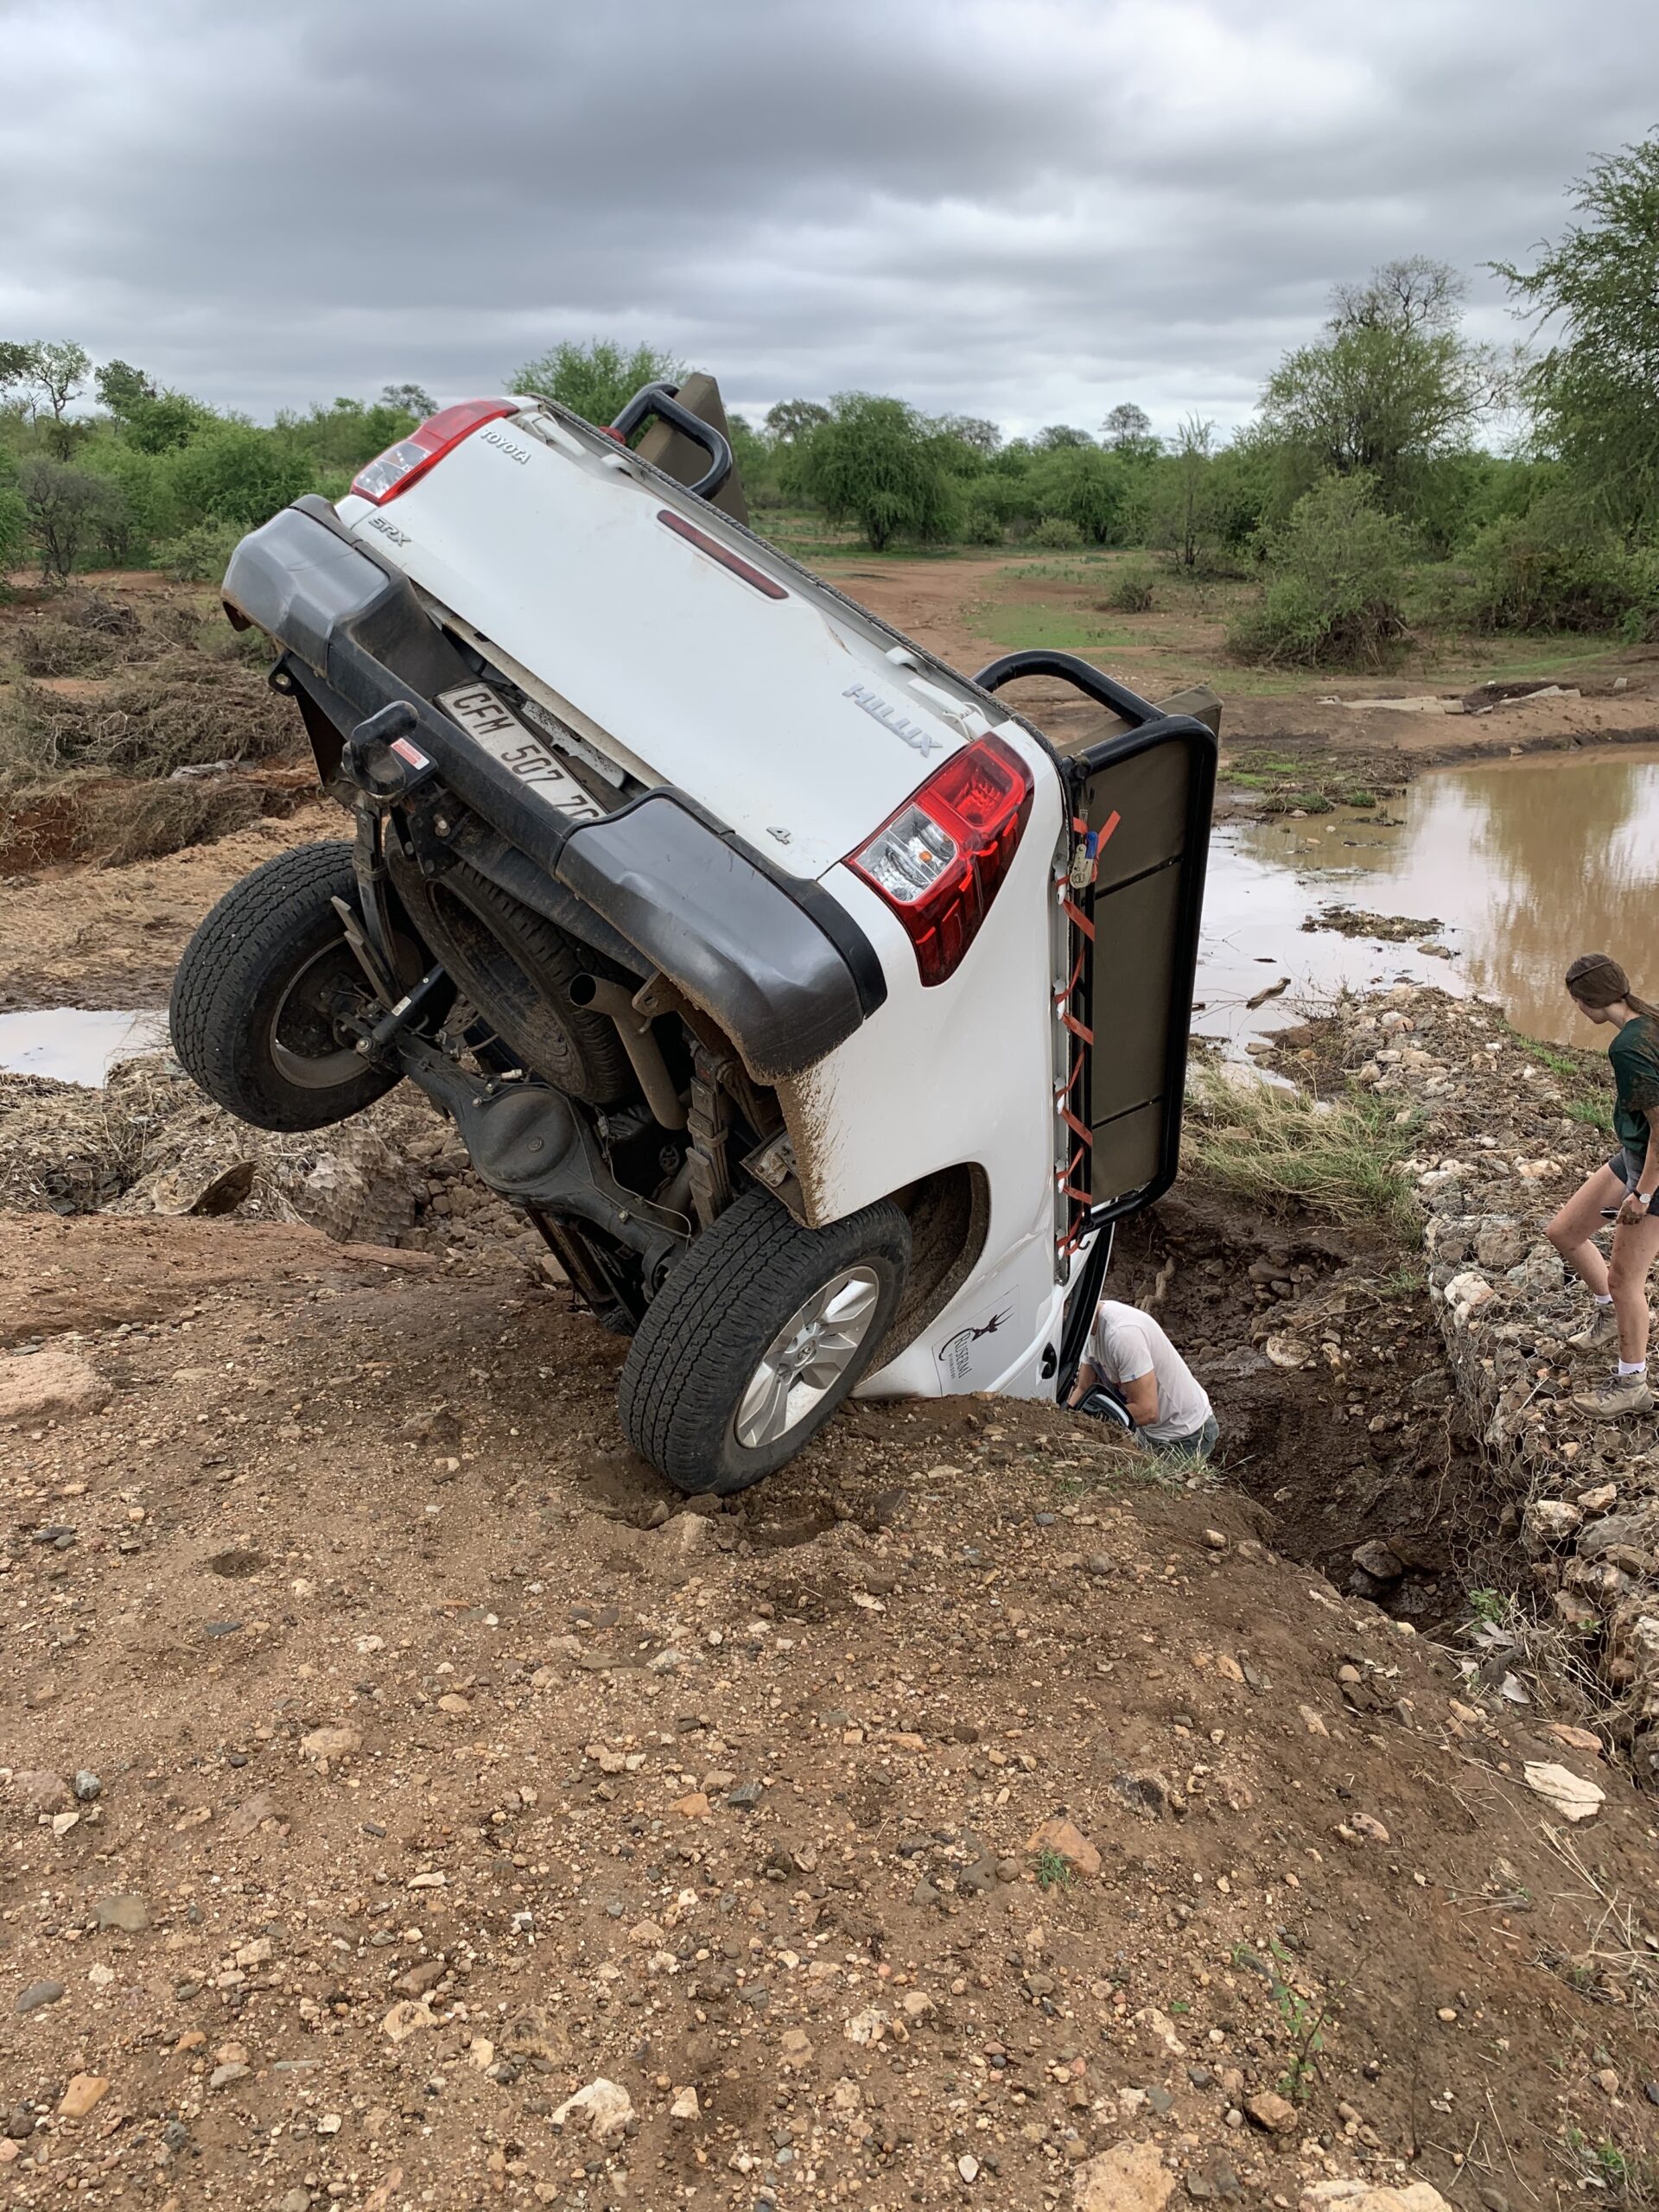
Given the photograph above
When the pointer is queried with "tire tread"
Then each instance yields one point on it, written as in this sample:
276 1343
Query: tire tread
231 954
679 1382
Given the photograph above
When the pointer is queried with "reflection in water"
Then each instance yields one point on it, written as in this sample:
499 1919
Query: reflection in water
1527 863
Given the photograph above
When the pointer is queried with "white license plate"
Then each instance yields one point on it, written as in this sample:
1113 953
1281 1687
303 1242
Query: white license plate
505 738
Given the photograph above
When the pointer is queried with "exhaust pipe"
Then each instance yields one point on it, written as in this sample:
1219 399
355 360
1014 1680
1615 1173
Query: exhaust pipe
638 1042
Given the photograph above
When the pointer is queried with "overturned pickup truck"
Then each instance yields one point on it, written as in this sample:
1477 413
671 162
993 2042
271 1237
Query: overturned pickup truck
819 1010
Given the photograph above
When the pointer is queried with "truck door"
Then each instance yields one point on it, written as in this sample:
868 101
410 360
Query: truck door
1141 802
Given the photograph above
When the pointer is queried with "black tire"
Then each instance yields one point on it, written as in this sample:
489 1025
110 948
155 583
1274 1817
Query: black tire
517 968
701 1344
250 1013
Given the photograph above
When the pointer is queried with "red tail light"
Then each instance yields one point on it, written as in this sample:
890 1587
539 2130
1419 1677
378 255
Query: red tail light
940 860
396 469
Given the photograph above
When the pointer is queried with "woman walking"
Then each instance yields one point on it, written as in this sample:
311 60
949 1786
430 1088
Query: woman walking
1621 1191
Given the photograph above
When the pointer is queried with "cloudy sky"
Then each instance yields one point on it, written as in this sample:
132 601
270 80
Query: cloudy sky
1028 209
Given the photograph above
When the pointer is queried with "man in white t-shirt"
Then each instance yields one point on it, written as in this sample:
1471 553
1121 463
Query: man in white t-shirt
1170 1409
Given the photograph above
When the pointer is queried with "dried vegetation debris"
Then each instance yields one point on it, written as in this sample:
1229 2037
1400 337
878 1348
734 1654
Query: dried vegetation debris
116 704
1388 929
151 1142
1504 1136
111 936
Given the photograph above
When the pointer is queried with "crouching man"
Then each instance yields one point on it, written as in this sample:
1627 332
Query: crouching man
1130 1354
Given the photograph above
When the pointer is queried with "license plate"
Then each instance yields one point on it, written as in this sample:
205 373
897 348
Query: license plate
505 738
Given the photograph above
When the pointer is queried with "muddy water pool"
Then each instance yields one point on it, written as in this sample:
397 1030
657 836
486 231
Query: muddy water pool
76 1044
1523 862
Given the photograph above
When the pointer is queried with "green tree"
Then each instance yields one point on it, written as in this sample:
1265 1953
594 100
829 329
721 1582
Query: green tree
121 389
152 420
791 420
596 380
1059 435
57 373
1085 486
757 463
1595 389
408 399
1181 520
1128 430
978 432
877 462
1392 386
16 357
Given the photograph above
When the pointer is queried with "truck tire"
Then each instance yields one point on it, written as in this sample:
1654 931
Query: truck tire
759 1334
250 1013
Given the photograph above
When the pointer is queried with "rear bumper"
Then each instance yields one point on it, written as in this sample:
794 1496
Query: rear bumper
780 965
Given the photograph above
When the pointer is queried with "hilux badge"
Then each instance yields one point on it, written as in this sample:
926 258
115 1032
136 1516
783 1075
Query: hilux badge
908 733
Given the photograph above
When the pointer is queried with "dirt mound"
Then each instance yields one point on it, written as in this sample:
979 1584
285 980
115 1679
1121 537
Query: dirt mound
83 1277
150 1142
112 937
961 1809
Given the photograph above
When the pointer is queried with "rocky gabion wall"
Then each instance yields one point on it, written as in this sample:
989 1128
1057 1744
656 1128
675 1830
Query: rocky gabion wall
1497 1152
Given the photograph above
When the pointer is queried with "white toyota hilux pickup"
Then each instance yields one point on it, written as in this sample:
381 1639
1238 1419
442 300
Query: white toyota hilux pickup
818 1010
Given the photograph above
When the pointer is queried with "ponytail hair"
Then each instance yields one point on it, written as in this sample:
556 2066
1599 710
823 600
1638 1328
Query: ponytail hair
1595 979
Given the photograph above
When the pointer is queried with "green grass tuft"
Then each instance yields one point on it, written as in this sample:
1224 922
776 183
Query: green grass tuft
1341 1157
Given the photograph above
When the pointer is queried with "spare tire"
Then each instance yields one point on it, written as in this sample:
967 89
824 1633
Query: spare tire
517 968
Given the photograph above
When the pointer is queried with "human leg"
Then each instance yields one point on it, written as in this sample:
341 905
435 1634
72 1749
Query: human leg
1636 1245
1191 1450
1573 1228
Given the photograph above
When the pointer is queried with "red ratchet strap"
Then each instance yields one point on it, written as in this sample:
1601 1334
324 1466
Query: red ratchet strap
1085 928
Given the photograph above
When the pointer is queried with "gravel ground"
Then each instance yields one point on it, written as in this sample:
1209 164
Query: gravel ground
963 1818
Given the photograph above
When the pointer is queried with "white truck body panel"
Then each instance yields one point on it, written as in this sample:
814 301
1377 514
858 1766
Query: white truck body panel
788 718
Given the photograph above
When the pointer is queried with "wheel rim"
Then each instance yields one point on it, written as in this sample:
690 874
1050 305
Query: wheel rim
303 1045
808 1355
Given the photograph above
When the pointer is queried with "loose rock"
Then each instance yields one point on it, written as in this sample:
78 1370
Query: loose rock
1129 2178
606 2105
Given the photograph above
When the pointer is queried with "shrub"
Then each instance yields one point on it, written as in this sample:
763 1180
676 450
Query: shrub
64 507
200 554
1336 574
236 474
1549 569
14 529
1057 534
1131 590
982 525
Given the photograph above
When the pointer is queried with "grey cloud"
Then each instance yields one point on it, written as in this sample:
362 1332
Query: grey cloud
1025 208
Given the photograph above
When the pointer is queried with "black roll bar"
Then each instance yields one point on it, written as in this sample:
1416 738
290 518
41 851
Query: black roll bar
1080 674
658 399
